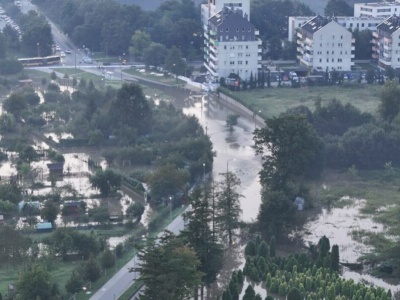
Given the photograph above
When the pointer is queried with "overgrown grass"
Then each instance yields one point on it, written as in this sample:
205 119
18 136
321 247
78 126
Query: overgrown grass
273 101
166 79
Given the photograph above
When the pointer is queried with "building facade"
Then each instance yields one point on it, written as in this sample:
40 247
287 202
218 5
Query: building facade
232 43
386 43
361 23
376 10
215 6
324 44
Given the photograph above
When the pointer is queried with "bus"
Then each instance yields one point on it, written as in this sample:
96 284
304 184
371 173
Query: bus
40 61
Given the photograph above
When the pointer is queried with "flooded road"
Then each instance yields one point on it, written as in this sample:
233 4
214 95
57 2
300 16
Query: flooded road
234 150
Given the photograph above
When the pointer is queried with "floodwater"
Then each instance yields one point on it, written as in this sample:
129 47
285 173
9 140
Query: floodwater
234 150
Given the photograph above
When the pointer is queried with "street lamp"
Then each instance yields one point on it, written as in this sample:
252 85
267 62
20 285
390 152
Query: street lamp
254 118
170 207
38 49
204 171
227 164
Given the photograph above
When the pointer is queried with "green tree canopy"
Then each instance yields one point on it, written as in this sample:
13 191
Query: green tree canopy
290 148
106 181
34 282
166 181
169 269
338 8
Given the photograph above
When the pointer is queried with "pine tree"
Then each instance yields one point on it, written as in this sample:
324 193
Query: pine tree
228 209
249 294
200 236
335 258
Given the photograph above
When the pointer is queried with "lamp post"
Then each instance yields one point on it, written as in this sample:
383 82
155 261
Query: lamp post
254 118
227 164
38 49
170 207
204 172
75 59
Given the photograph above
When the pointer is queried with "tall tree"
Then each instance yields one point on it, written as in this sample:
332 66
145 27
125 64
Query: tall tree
200 236
166 181
168 268
34 282
50 211
228 209
131 108
106 181
338 8
139 42
174 61
155 55
290 148
389 106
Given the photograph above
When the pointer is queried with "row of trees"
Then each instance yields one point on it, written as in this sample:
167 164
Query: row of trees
178 267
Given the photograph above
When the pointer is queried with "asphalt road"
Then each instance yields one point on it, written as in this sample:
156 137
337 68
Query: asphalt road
121 281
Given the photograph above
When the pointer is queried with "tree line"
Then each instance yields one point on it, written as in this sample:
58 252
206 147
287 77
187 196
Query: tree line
305 275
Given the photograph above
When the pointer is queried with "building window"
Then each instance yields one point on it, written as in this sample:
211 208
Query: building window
247 62
239 62
225 47
249 29
248 55
333 60
362 24
333 52
339 60
320 45
247 47
240 54
232 62
327 52
333 37
232 47
227 29
237 29
243 37
327 60
320 60
351 24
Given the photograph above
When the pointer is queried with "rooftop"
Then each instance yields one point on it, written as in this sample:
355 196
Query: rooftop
390 25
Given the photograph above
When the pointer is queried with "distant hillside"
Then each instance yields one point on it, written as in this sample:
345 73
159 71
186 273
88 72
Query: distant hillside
149 4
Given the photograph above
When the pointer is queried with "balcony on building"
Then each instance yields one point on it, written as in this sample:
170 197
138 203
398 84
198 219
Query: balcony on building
375 56
305 62
353 48
256 32
375 34
353 40
299 35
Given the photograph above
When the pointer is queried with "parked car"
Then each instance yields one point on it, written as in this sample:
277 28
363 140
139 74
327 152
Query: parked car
67 51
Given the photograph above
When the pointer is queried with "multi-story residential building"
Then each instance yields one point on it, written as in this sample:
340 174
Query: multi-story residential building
231 42
347 22
214 6
377 9
232 45
325 44
386 40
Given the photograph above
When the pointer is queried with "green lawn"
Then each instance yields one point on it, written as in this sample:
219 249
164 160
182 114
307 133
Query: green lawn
273 101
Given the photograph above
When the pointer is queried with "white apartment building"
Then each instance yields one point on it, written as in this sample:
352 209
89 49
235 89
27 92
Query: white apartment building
376 9
347 22
386 42
232 45
215 6
324 44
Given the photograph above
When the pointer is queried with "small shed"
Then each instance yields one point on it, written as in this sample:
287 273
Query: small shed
44 227
299 202
25 82
56 169
71 207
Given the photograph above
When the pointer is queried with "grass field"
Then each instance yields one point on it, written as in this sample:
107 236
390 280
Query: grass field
170 80
273 101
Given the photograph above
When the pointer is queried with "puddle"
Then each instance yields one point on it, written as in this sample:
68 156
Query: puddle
57 137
